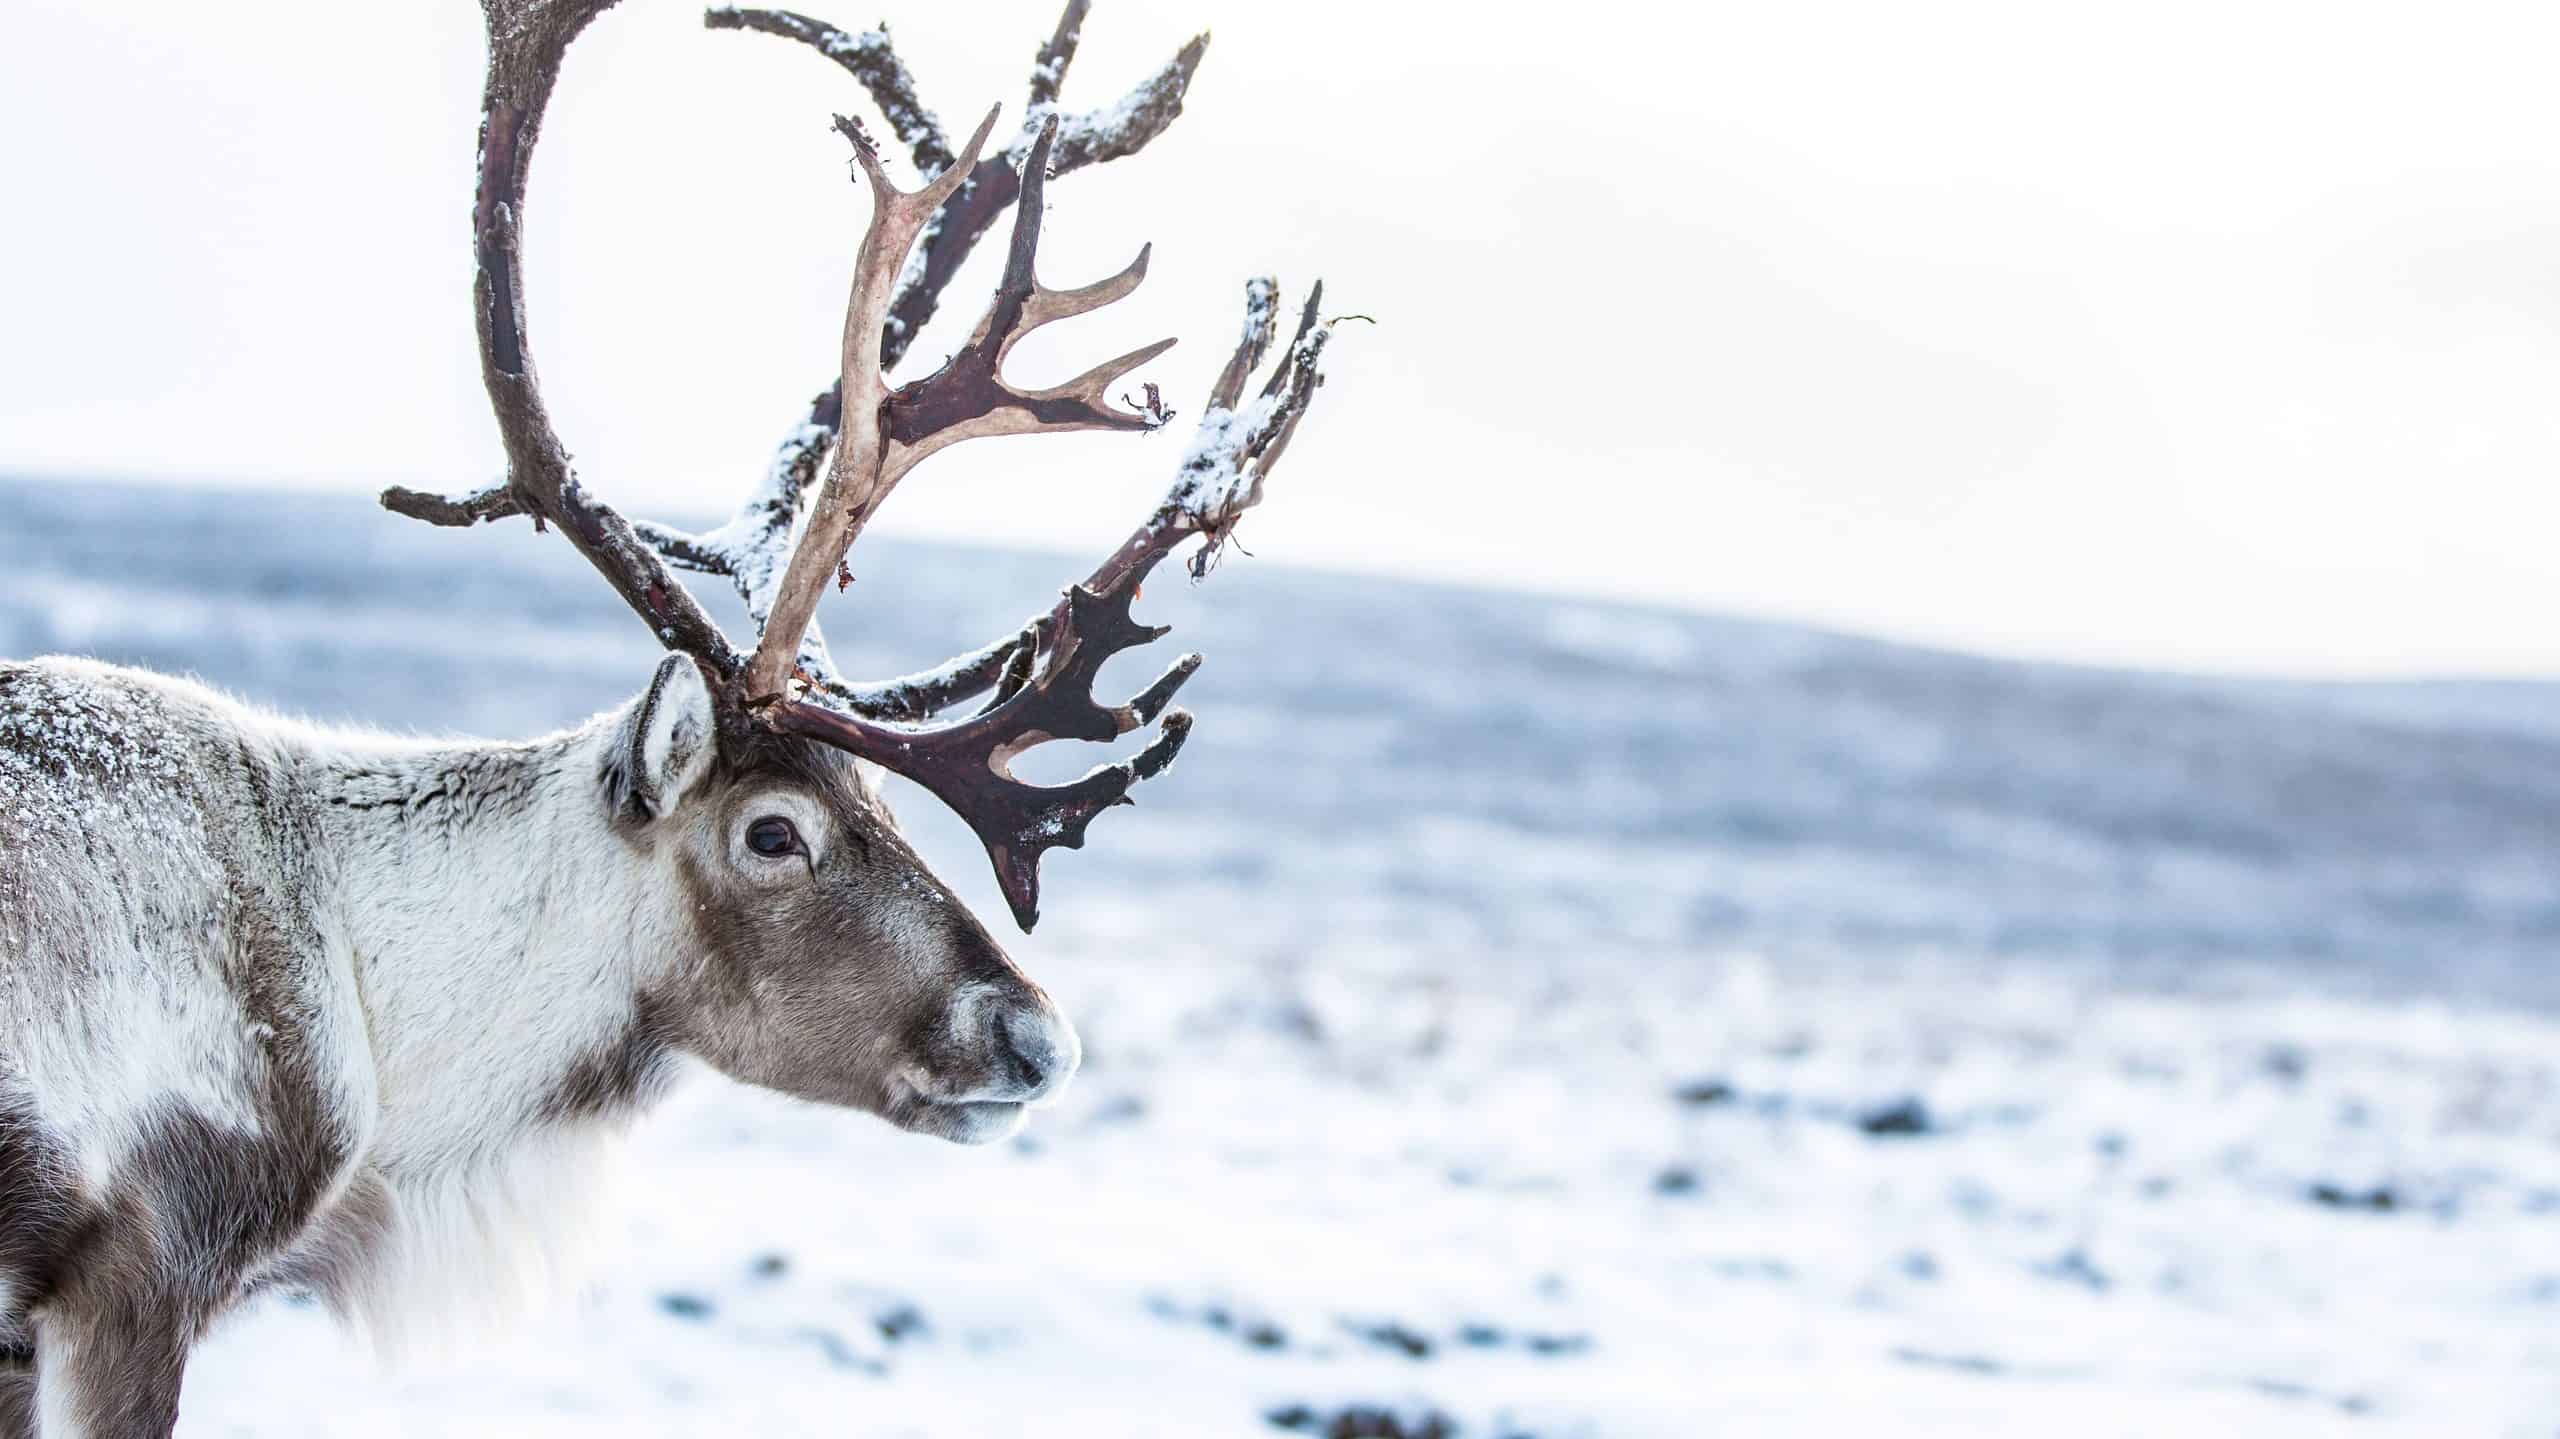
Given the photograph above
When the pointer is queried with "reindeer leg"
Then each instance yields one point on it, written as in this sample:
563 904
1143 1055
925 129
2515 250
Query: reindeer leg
17 1395
112 1368
196 1211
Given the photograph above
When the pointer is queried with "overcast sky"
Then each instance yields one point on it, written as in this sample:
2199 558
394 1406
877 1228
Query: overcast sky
2218 336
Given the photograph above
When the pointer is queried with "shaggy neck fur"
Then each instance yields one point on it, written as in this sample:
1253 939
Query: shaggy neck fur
497 926
498 937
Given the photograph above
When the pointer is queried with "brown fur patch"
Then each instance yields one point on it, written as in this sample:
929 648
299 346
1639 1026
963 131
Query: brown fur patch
42 1220
332 1259
196 1210
18 1398
623 1076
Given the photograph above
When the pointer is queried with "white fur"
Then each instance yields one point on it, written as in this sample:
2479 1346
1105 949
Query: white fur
58 1397
458 971
472 1247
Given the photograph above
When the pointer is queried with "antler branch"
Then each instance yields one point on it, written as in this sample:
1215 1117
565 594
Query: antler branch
526 41
860 476
967 765
497 502
870 58
1221 476
968 396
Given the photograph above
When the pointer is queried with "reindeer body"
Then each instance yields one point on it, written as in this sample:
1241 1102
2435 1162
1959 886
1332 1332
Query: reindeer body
359 1015
278 1003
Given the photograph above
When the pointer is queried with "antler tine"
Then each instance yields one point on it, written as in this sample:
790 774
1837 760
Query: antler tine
1049 71
1228 484
968 396
1046 306
527 39
858 478
1261 301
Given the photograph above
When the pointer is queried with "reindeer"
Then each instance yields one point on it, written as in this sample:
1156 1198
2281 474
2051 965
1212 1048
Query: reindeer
291 1006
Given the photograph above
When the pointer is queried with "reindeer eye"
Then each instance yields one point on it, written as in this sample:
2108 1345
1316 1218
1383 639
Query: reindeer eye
773 837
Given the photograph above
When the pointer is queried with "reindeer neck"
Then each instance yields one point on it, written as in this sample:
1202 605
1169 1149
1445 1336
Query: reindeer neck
500 931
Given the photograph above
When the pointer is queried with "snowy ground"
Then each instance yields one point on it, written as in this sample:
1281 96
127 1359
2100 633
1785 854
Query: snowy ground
1527 1018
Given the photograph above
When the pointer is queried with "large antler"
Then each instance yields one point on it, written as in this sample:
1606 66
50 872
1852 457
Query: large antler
868 436
1044 675
885 434
526 41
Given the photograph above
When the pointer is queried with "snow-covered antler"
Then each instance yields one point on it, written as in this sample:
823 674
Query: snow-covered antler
1221 476
1088 138
753 547
861 437
885 433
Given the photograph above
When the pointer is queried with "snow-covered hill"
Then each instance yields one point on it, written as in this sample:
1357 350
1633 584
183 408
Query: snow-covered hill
1530 1017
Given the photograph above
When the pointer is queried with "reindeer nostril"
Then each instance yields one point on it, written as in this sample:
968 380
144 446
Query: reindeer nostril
1026 1055
1037 1049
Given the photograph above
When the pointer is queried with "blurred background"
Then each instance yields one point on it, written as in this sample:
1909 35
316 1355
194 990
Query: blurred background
1888 759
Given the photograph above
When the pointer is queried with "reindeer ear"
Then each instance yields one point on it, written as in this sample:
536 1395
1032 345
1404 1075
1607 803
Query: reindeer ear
663 745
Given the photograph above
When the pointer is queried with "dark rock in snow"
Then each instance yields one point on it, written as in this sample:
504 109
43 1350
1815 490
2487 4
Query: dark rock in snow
1548 1345
1902 1117
1704 1092
1363 1421
686 1306
1395 1336
899 1322
2380 1199
2284 1062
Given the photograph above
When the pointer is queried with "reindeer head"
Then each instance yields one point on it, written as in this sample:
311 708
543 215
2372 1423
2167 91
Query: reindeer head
819 956
831 963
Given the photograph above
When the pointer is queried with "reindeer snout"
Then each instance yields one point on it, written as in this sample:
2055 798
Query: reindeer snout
1025 1049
